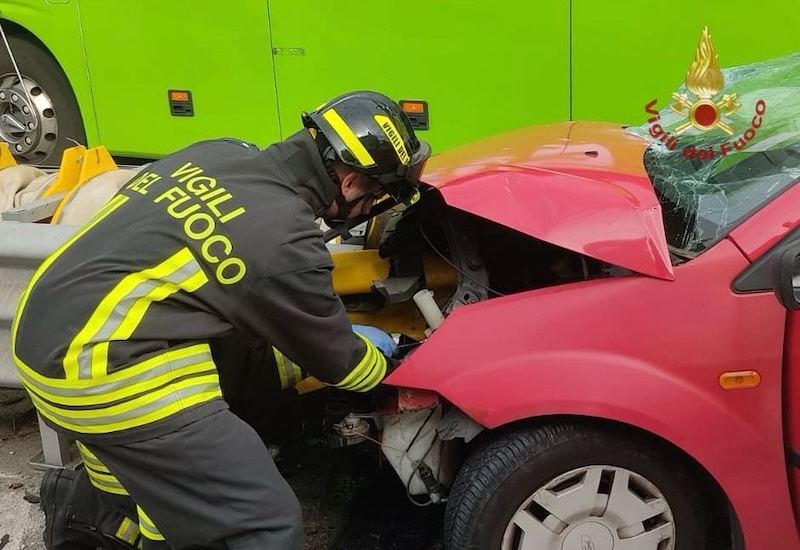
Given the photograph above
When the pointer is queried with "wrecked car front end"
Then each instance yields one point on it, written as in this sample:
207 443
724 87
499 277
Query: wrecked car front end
509 222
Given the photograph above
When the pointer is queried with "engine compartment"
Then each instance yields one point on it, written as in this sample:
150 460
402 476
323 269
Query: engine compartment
479 258
461 259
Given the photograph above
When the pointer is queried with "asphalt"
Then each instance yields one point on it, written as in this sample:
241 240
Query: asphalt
348 503
21 521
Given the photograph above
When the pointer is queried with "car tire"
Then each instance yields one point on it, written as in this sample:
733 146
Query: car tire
573 486
40 124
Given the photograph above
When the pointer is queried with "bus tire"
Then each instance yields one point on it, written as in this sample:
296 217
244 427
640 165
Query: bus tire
42 118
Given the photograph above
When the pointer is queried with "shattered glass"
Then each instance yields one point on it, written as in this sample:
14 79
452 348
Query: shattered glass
719 153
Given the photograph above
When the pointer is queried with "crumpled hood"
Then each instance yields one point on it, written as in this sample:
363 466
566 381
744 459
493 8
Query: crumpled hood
581 186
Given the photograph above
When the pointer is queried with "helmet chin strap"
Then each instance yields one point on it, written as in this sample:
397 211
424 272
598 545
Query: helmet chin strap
343 206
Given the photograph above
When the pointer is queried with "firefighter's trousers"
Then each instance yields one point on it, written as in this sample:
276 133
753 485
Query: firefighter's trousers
211 484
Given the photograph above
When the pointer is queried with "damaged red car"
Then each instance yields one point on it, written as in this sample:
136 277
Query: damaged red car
599 340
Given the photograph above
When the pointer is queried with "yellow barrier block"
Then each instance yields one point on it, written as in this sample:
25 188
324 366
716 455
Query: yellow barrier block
96 161
6 156
68 171
356 270
92 162
309 384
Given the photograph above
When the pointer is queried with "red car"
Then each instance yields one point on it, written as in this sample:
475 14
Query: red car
618 364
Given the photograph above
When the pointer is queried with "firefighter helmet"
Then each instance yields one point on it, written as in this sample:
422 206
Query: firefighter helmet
369 132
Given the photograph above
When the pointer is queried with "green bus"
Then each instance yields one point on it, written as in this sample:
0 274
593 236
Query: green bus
146 77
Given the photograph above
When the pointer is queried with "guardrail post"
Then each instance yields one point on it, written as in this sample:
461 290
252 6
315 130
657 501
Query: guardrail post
55 449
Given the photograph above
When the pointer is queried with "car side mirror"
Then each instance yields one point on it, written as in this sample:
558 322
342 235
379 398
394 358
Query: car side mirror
786 277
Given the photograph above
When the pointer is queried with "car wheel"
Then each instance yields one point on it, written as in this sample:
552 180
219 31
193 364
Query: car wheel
39 116
572 487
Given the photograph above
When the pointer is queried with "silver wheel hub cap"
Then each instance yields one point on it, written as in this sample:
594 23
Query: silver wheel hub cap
593 508
27 118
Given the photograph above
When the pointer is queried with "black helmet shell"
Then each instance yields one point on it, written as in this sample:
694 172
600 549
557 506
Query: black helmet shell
370 132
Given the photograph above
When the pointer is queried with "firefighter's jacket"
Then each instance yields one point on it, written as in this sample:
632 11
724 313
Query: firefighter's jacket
111 336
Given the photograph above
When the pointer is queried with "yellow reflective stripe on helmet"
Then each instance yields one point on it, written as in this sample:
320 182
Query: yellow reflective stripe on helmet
122 309
147 527
348 137
369 371
128 531
391 132
101 214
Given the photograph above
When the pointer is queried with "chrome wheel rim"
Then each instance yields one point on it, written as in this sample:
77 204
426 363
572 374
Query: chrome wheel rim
28 121
593 508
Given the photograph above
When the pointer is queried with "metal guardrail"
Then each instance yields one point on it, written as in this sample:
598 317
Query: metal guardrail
23 247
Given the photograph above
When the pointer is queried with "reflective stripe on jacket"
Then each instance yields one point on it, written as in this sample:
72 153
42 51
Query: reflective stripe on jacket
110 337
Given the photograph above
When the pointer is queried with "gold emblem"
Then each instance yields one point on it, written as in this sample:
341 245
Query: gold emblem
705 81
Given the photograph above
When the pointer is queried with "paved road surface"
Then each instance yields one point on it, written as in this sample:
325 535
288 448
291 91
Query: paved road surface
345 505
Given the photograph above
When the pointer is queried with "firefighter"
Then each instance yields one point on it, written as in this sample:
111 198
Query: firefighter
112 336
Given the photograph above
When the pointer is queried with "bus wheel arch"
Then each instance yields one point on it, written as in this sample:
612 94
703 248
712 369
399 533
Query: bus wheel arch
40 116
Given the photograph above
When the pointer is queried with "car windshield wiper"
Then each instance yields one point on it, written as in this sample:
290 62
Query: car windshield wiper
681 254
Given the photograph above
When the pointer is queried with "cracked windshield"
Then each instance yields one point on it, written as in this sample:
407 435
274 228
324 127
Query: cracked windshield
725 144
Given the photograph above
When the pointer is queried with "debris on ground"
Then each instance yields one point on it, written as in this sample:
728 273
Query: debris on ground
349 502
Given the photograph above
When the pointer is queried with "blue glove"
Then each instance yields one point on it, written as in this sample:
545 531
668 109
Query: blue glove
379 338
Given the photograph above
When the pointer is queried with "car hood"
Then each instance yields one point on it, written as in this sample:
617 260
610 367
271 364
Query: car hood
578 185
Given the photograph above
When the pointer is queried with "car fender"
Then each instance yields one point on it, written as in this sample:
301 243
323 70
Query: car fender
608 349
644 396
590 384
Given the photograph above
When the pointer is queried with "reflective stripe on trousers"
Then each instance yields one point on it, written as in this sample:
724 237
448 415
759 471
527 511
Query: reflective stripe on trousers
147 527
102 478
99 475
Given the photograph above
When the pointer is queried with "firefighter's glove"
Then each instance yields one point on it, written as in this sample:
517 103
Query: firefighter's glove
379 338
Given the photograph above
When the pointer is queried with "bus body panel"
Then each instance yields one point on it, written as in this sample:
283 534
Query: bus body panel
483 68
625 54
48 21
141 49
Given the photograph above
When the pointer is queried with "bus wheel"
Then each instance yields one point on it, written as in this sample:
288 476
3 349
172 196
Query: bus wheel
39 116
